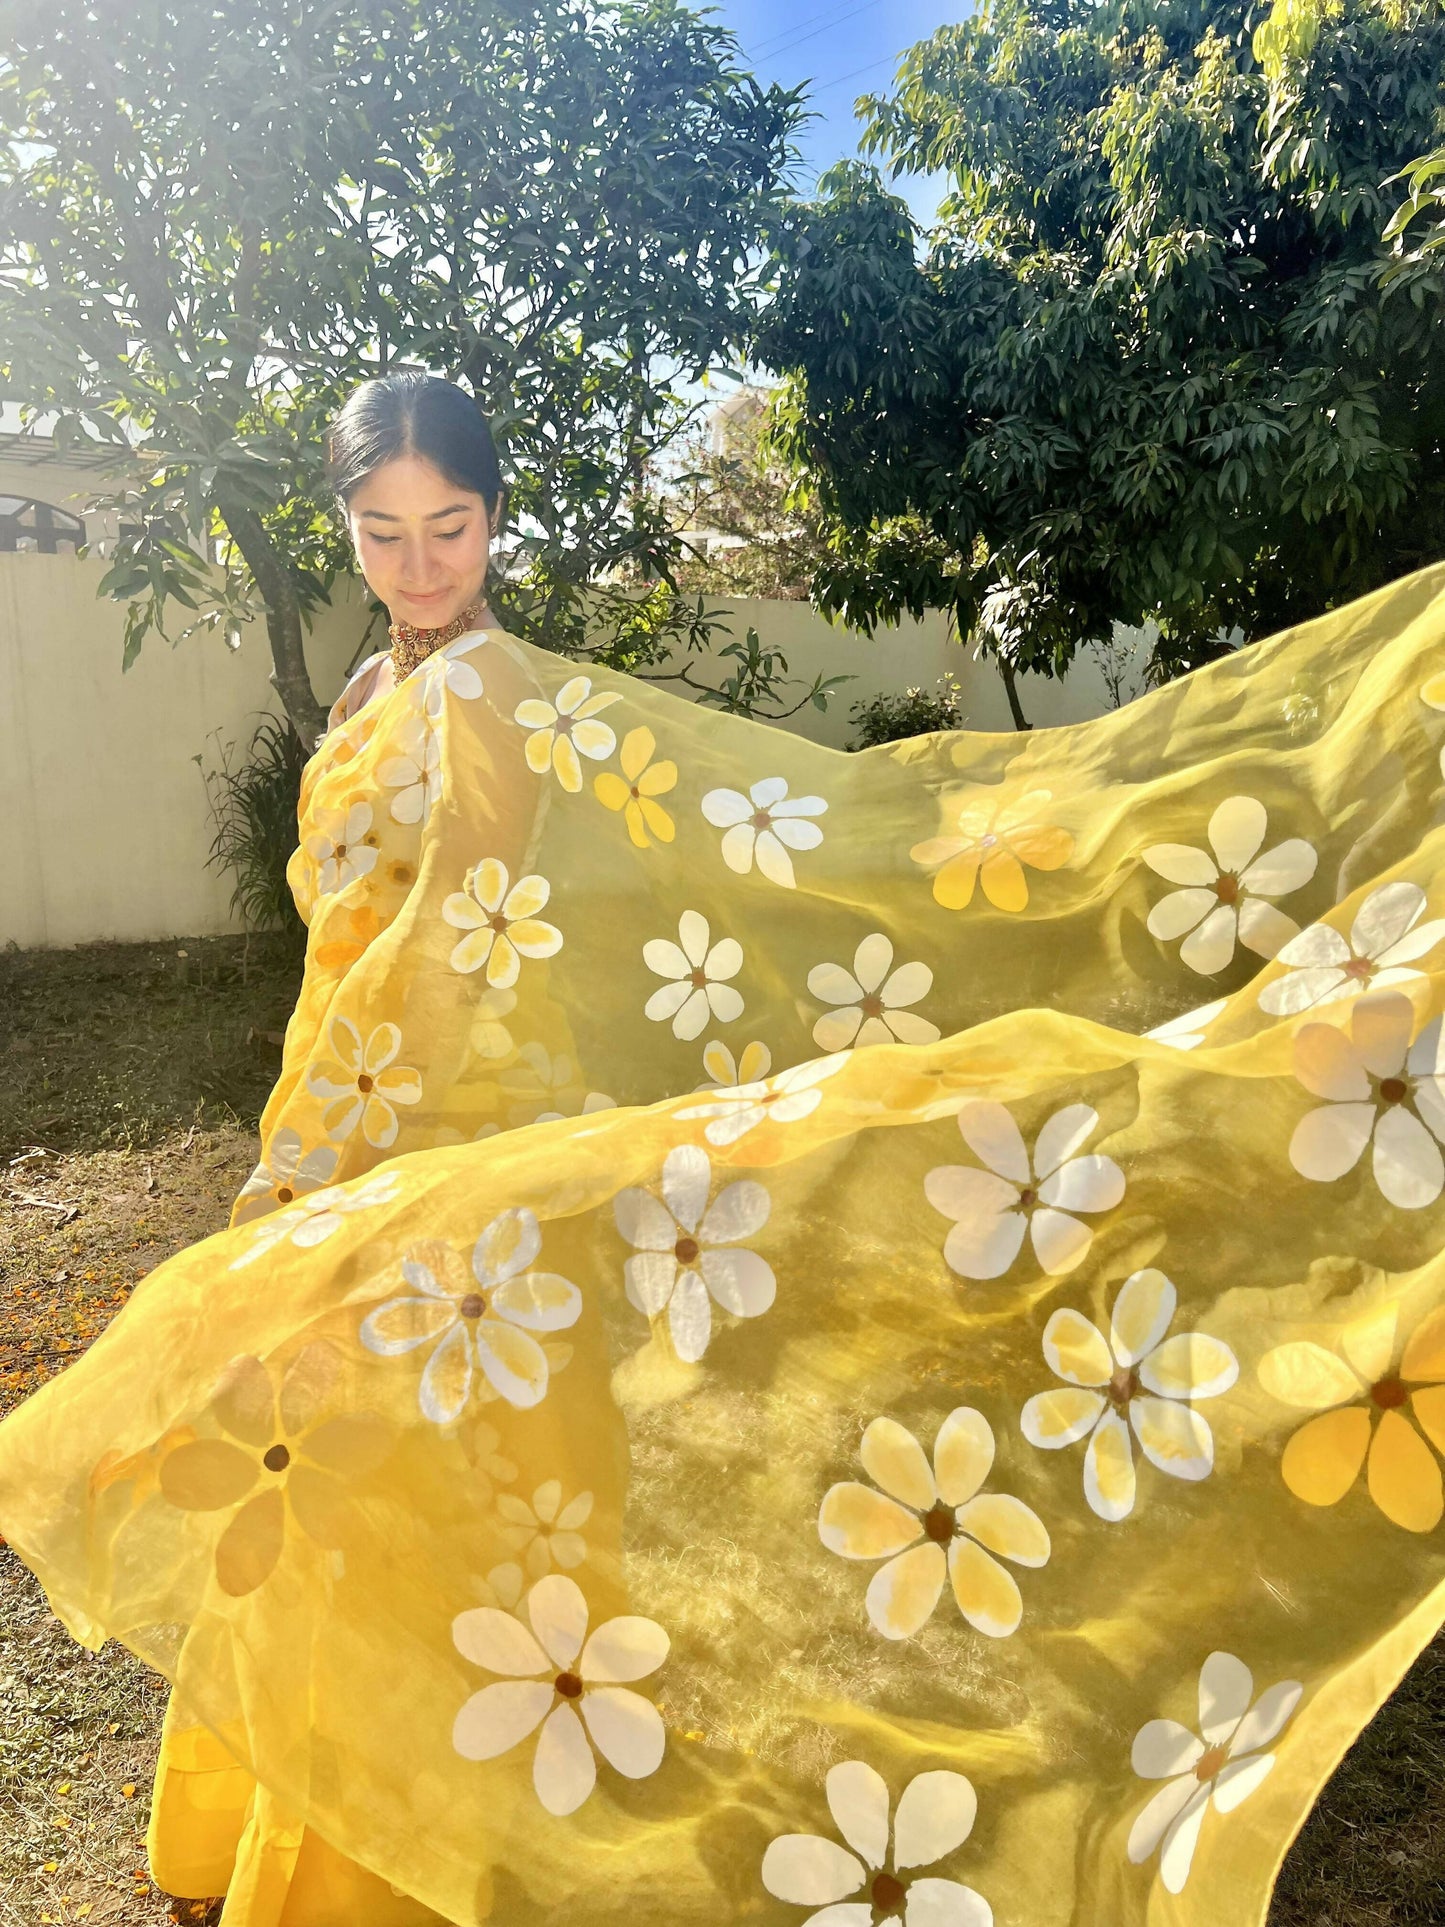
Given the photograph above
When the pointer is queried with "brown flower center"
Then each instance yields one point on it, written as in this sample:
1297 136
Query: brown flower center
276 1458
1388 1394
1360 968
1028 1198
686 1251
497 922
340 851
569 1686
1123 1386
1394 1090
1212 1761
699 977
872 1005
473 1305
285 1194
760 820
886 1892
634 792
1226 888
365 1083
939 1523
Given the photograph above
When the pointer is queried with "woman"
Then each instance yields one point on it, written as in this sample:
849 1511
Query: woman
742 1386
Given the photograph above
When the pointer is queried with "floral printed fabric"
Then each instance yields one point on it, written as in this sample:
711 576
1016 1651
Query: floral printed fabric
814 1338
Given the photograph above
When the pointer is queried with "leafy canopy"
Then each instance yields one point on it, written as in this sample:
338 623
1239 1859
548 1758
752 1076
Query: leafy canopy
1156 360
215 219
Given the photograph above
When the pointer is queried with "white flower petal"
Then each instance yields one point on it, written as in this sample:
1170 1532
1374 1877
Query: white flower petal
858 1802
1181 863
810 1871
1177 1854
1084 1184
898 1465
738 1211
558 1613
623 1649
1143 1312
1061 1137
1060 1242
1239 1778
1180 911
1330 1141
499 1717
686 1181
1163 1748
1226 1686
563 1771
989 1131
945 1903
499 1642
1267 1718
1159 1815
1109 1483
740 1281
1236 831
1209 948
1288 866
935 1816
689 1317
626 1729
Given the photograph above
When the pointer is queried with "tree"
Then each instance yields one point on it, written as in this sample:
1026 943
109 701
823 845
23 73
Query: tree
1156 360
215 219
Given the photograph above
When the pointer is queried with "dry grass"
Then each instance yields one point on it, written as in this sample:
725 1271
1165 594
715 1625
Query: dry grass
138 1076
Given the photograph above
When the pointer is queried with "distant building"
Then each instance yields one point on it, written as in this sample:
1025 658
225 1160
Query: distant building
44 491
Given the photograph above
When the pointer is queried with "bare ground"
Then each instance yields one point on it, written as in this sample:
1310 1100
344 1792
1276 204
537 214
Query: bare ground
132 1079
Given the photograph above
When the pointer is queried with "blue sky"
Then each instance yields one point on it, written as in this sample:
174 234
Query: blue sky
845 48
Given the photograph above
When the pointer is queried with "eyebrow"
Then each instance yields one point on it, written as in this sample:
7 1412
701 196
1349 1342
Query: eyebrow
380 515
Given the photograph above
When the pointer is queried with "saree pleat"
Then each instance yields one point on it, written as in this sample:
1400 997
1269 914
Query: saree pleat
815 1338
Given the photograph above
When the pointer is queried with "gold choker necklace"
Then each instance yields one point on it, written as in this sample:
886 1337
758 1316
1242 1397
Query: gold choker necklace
411 646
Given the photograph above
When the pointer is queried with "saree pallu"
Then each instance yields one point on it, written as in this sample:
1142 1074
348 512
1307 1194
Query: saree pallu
816 1338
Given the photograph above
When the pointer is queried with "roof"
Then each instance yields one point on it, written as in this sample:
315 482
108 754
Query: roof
34 451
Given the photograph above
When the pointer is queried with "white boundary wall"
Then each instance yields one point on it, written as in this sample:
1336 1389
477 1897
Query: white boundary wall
107 825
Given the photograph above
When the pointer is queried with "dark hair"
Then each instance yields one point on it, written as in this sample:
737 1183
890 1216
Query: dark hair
413 414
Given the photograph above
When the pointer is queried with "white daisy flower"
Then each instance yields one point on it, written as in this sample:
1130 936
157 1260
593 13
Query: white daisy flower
554 1676
686 1250
414 772
697 970
1224 900
501 921
1325 967
791 1095
1186 1032
363 1083
870 1886
1221 1765
482 1317
546 1532
726 1072
763 826
316 1218
1379 1088
1135 1377
993 1209
934 1523
339 848
872 996
566 730
284 1175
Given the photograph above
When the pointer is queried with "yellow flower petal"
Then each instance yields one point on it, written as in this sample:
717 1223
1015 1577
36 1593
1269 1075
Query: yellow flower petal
1076 1350
248 1549
611 791
566 764
1429 1410
1004 883
1043 847
539 752
953 886
1006 1526
1404 1476
206 1474
657 820
636 754
895 1461
987 1593
658 780
1425 1351
901 1596
858 1523
1305 1375
1323 1459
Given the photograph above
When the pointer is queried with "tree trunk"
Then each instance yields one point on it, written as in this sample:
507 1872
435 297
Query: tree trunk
1006 670
289 674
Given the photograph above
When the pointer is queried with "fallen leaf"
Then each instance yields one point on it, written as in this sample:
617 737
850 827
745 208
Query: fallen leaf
129 1789
64 1787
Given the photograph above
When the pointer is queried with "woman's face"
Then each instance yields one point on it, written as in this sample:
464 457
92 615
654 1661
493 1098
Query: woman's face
421 542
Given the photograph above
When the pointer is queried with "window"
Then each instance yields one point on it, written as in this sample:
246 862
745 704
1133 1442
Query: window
36 525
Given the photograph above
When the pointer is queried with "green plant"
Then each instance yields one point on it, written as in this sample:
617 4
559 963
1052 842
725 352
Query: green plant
253 806
889 717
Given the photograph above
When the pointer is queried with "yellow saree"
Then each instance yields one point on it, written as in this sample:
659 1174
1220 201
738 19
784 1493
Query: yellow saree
816 1338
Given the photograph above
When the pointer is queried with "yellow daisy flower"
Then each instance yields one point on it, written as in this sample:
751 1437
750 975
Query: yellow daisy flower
1362 1401
566 730
635 791
991 839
